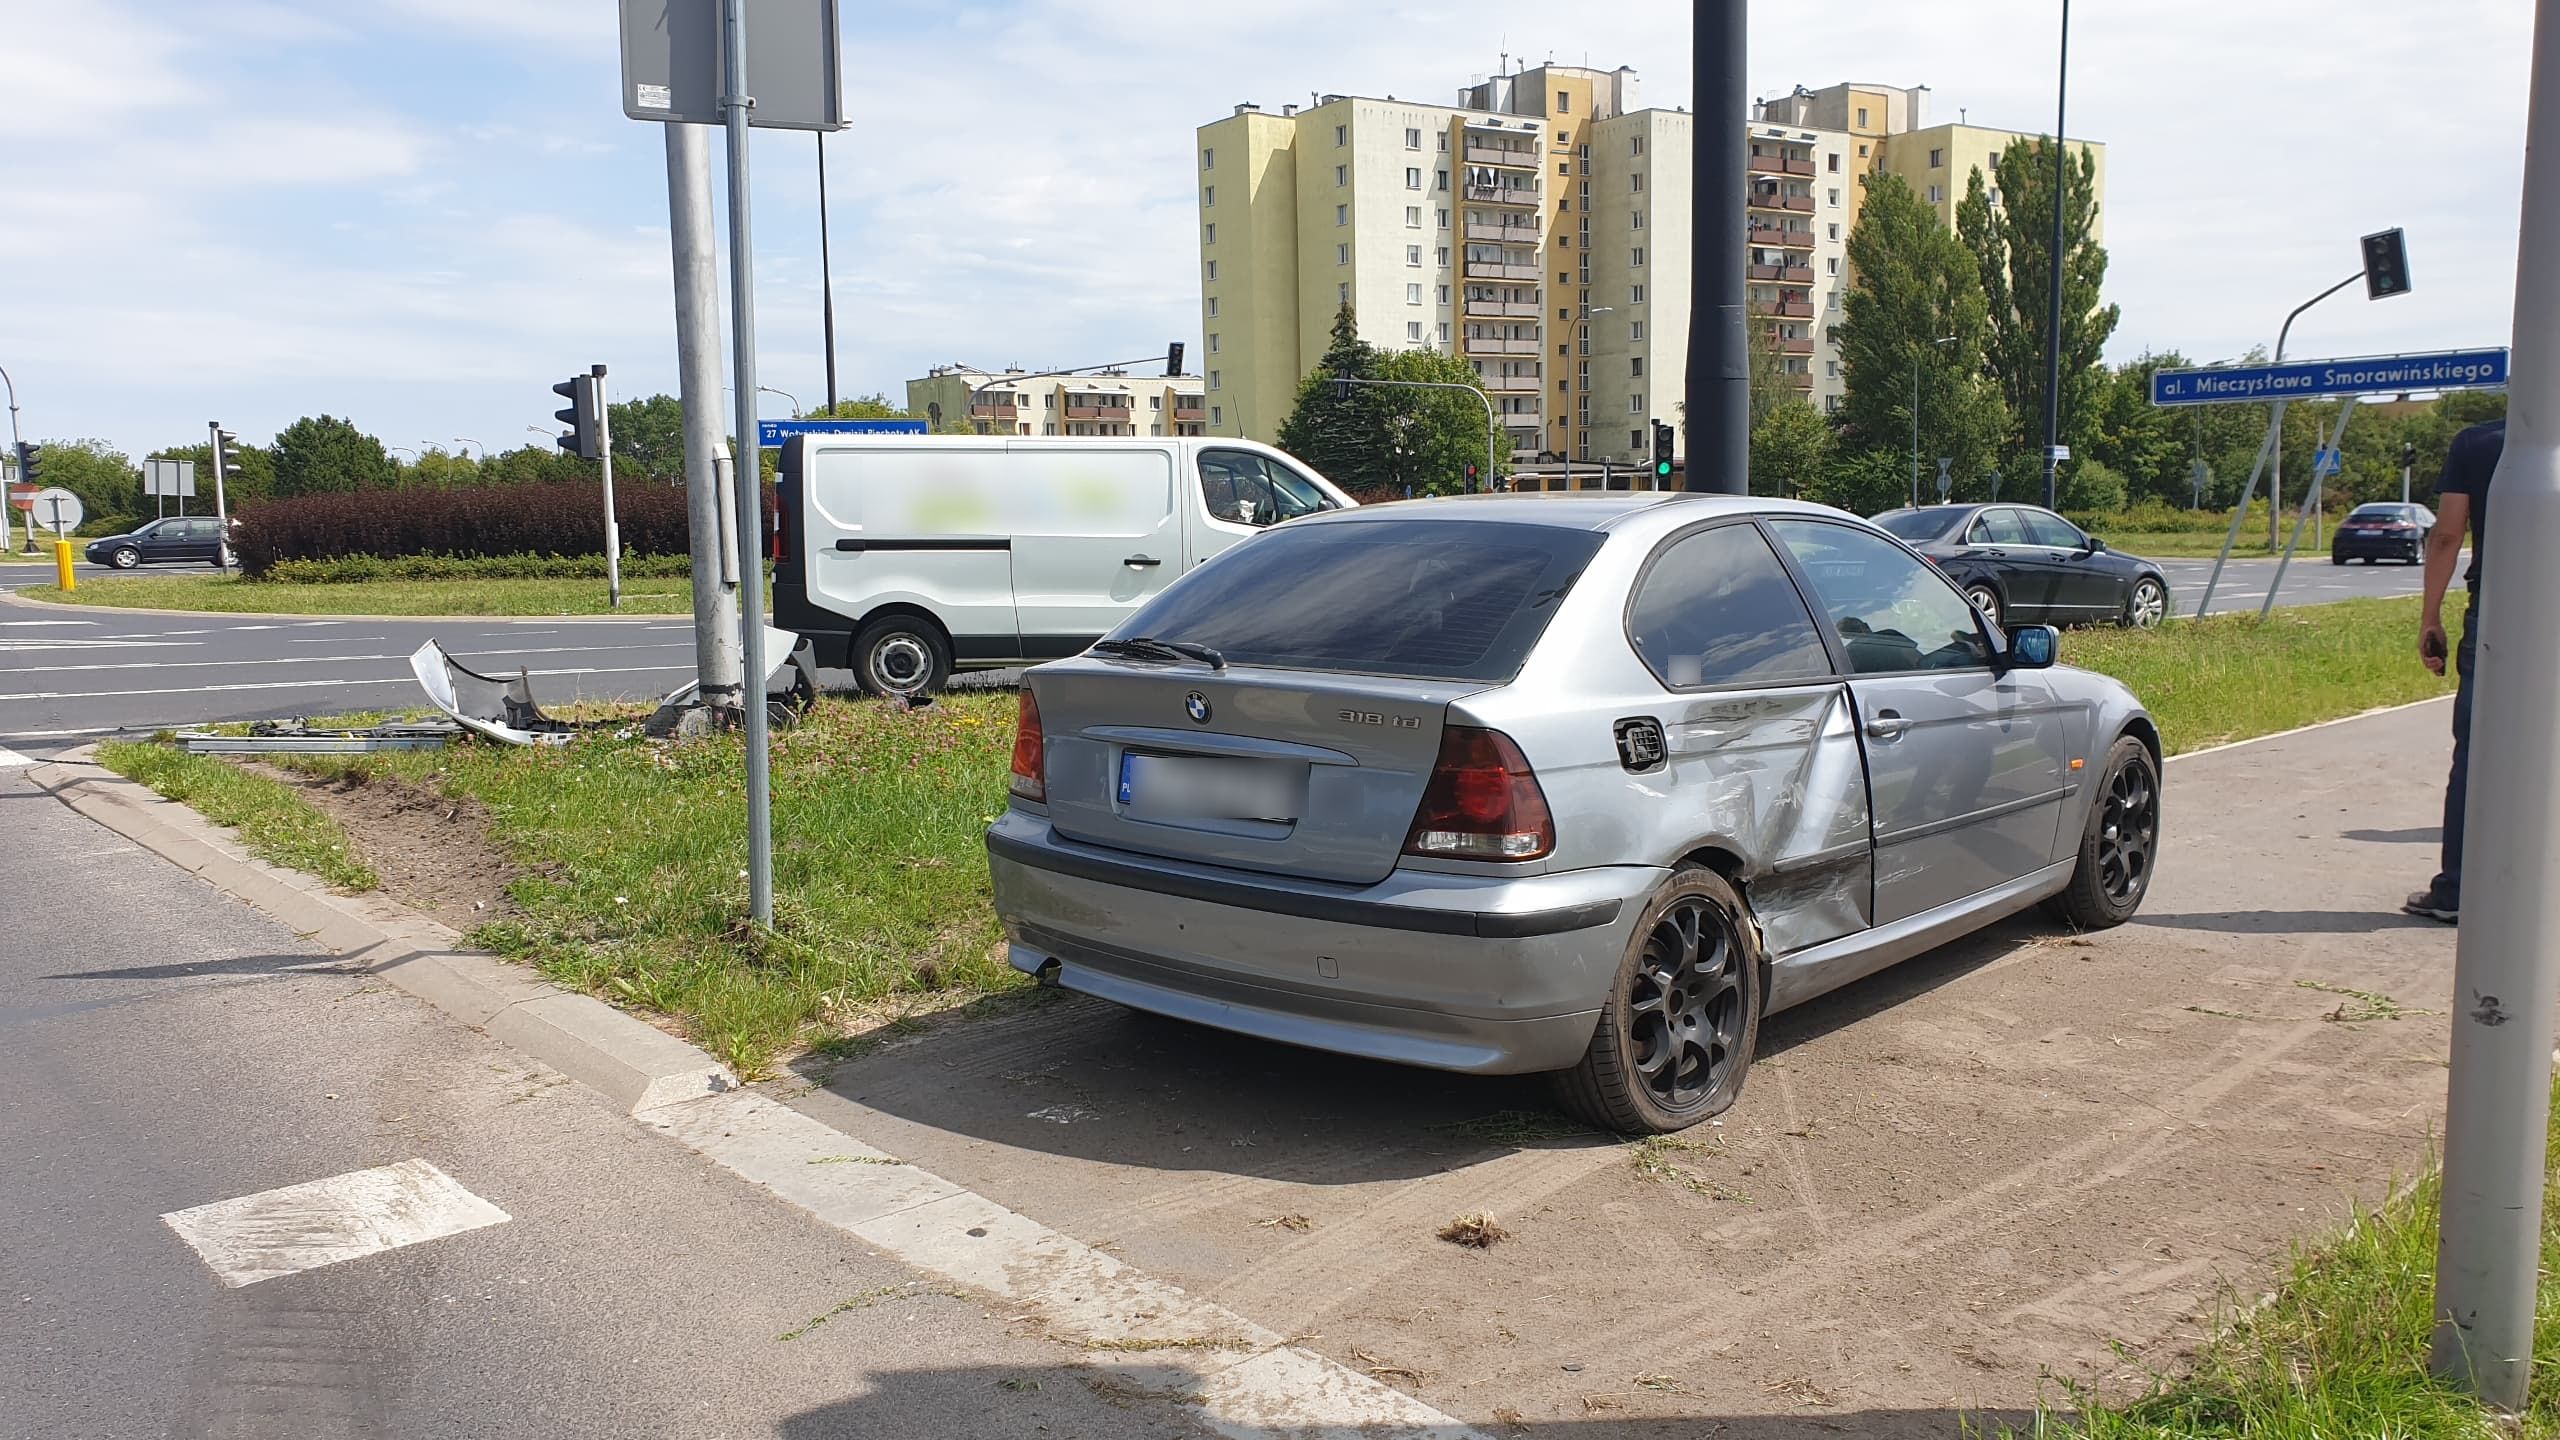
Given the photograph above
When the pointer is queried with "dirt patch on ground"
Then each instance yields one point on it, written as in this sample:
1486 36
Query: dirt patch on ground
434 852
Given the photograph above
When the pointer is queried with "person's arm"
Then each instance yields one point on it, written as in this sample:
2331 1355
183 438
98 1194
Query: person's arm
2444 551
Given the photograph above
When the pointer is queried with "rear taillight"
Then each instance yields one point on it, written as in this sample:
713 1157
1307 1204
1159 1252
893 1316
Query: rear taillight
1483 803
1030 753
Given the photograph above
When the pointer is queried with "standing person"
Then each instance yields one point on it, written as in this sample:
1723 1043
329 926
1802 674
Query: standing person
2462 507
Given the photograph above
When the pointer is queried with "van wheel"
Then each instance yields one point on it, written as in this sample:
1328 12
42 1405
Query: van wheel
1682 1019
901 655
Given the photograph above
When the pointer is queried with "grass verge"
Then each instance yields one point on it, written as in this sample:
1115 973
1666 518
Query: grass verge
275 824
2341 1349
2228 678
633 879
230 594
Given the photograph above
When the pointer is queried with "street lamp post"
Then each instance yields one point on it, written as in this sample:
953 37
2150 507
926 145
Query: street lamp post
1915 412
466 446
786 395
2053 264
16 441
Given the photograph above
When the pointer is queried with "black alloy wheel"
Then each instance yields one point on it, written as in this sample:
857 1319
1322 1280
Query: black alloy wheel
2120 844
1676 1037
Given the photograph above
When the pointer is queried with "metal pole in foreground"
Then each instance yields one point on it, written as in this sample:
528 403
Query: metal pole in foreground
17 442
2310 507
1719 381
742 321
707 502
826 274
604 459
2504 977
2053 263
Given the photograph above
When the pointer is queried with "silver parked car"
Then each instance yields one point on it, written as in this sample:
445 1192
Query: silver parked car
1584 785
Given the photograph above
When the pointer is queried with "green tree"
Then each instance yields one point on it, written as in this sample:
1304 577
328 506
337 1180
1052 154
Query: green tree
1771 386
322 454
107 482
1790 449
874 406
2012 245
255 482
1917 287
1438 433
2148 445
648 438
1862 482
1342 435
438 469
532 465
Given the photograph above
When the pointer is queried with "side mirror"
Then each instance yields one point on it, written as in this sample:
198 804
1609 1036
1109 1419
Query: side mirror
2032 647
2095 544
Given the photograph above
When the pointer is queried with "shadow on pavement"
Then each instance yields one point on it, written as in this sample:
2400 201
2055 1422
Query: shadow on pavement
229 965
1184 1097
2414 835
1068 1402
2289 922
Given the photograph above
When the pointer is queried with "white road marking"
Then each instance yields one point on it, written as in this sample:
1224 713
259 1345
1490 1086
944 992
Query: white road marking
319 659
11 759
316 684
31 642
322 1222
20 624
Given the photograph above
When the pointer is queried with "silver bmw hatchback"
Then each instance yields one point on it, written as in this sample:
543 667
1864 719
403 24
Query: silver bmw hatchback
1520 783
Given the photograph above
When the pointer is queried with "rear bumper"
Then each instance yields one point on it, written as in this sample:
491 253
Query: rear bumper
2353 547
1482 974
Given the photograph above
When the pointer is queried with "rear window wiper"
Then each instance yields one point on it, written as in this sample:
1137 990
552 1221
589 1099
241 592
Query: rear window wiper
1147 647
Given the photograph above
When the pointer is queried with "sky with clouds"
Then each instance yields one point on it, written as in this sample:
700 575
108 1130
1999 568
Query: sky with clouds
419 213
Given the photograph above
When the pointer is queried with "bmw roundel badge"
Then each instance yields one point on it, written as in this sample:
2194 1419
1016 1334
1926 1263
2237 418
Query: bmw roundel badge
1196 705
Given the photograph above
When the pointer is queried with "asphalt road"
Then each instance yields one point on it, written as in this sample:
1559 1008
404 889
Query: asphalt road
164 1048
2311 580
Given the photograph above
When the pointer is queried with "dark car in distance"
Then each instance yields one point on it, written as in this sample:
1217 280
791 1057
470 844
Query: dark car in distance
2022 565
2383 530
178 540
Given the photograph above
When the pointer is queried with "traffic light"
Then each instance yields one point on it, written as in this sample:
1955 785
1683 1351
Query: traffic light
2408 454
2386 265
580 415
30 459
1173 358
1661 451
224 467
1473 470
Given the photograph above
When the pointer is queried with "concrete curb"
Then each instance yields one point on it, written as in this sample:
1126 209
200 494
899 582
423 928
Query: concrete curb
635 1064
12 597
1243 1378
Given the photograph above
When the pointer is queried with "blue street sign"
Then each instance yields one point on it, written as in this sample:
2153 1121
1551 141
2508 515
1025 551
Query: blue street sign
771 433
2324 462
2313 379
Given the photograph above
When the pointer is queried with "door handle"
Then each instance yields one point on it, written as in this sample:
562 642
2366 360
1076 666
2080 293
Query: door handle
1142 562
1887 725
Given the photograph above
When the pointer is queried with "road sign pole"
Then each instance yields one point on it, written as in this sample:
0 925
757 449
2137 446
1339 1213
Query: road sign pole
737 105
708 503
2240 512
604 459
2507 961
2319 465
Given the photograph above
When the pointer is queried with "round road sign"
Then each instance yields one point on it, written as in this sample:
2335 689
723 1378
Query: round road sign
54 508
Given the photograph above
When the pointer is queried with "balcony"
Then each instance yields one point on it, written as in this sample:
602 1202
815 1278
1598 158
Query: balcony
1512 384
1504 234
1766 199
1792 309
991 412
1191 413
1796 275
1489 155
1786 346
1500 309
1520 195
1501 345
1097 412
1801 204
1782 239
1493 270
1768 165
1803 379
1799 167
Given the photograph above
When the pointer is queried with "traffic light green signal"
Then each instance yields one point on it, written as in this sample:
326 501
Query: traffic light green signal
1661 451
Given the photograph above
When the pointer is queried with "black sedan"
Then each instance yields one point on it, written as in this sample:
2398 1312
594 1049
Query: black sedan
2383 530
2022 565
178 540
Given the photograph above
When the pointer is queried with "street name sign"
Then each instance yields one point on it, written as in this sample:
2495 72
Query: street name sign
2314 379
169 478
770 434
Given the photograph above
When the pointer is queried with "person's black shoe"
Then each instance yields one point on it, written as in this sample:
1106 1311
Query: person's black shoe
2432 906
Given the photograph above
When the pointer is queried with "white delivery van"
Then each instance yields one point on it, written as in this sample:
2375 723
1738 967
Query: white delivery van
903 557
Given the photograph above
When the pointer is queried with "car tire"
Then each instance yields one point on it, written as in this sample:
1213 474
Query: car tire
2337 559
1983 597
1688 991
2146 604
124 557
2119 844
901 655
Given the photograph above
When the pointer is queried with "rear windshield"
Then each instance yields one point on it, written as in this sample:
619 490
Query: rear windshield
1426 599
2379 512
1918 525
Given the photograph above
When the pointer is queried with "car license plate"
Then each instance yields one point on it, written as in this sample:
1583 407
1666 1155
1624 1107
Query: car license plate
1181 787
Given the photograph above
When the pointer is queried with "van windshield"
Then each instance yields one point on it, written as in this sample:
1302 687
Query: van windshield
1424 599
1248 489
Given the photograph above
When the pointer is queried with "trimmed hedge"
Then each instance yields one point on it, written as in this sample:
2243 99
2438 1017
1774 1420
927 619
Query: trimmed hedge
356 569
484 522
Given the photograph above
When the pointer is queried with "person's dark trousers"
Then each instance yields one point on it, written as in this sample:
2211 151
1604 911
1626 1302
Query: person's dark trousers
2447 888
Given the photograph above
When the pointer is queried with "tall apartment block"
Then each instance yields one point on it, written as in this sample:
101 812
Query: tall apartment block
1538 229
1021 402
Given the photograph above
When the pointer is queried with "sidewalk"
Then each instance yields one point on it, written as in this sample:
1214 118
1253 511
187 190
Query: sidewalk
1989 1163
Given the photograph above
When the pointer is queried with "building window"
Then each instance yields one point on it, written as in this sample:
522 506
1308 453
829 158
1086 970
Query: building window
1440 180
1048 427
1862 152
1341 254
1862 120
1564 167
1413 177
1341 214
1835 300
1412 296
1444 294
1937 159
1635 367
1413 331
1342 294
1635 403
1639 256
1444 331
1213 379
1210 232
1835 195
1635 144
1635 329
1564 242
1413 254
1341 174
1564 103
1217 414
1635 179
1213 272
1993 195
1636 221
1208 196
1834 370
1834 262
1342 133
1635 294
1208 159
1413 217
1831 403
1937 193
1835 229
1213 342
1155 402
1564 139
1444 142
1213 307
1440 257
1412 138
1444 219
1834 158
